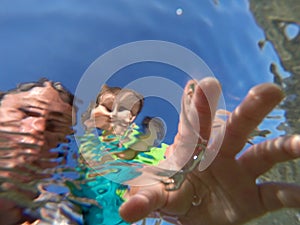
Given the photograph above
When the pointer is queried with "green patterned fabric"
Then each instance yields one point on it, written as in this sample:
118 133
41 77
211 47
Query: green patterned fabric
109 195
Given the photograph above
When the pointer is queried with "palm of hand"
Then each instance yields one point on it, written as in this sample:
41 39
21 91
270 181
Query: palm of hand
226 192
228 196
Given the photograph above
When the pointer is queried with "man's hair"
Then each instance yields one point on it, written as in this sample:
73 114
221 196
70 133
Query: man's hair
64 94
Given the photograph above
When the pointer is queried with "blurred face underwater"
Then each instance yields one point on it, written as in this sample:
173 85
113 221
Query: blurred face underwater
34 118
33 121
115 110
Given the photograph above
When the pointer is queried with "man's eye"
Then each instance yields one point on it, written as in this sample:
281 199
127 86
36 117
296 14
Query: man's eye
30 113
54 125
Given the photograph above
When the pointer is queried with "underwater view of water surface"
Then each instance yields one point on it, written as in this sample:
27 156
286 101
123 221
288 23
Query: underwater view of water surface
130 60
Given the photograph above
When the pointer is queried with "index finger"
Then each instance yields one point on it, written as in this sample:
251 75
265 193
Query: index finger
199 105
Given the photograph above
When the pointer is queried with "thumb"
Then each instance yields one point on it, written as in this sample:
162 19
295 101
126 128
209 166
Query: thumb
140 204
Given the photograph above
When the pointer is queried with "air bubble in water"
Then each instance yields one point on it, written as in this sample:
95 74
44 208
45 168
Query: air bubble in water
179 11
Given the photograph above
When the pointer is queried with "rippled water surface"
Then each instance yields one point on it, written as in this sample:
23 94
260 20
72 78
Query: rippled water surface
60 39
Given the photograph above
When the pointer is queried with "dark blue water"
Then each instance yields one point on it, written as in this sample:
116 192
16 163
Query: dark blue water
59 39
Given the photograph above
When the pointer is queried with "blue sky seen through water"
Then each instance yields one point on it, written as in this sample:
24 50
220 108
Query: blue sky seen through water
59 39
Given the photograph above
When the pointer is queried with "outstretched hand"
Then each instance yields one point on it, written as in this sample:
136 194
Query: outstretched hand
227 191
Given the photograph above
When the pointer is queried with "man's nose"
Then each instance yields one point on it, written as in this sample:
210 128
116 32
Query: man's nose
35 128
38 124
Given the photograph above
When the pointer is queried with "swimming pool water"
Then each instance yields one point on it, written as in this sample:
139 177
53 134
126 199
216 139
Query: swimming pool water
59 39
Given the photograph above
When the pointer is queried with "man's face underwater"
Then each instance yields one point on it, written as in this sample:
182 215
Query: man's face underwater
37 120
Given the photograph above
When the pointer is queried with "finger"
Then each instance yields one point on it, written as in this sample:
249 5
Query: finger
198 110
259 158
143 203
146 200
206 101
248 115
275 196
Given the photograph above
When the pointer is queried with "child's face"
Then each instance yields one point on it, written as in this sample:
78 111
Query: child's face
114 113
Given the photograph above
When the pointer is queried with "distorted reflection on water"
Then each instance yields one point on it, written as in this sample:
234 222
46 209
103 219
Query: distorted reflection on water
47 180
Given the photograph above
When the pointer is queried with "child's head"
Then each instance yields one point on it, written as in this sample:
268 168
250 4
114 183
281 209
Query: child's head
115 109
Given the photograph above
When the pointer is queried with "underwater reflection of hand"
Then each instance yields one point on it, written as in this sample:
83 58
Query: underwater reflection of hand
227 190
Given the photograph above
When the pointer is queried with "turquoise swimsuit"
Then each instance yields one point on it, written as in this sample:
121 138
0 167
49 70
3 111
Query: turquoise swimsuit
108 195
